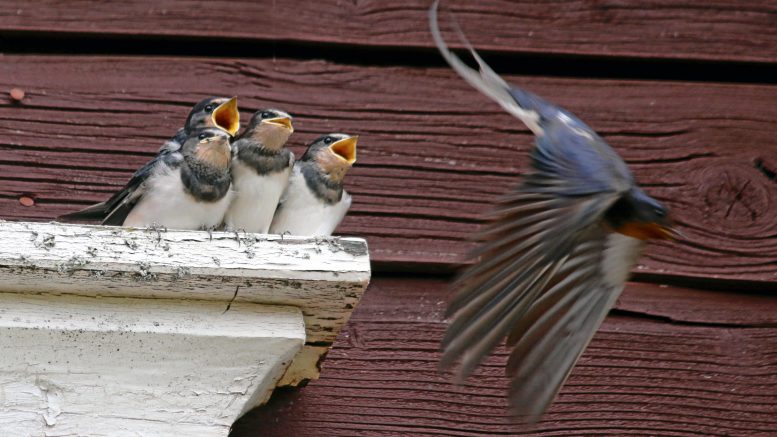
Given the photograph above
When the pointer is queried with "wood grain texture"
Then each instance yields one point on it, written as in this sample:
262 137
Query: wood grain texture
640 376
715 30
433 153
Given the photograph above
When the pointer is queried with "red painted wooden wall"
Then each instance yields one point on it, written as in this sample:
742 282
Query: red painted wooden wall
686 92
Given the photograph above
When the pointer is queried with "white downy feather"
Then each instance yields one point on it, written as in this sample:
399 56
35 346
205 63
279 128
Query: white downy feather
302 213
256 198
166 203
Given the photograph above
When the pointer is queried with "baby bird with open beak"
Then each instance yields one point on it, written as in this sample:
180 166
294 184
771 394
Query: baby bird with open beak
215 117
218 112
315 202
260 170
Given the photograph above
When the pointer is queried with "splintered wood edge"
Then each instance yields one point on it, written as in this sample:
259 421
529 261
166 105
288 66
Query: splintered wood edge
323 276
306 366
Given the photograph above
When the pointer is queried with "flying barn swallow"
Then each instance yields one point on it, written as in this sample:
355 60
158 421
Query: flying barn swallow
218 113
260 171
315 202
556 252
186 188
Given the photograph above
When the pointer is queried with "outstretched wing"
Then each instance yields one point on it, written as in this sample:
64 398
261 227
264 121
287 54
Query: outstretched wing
521 251
547 271
551 336
115 210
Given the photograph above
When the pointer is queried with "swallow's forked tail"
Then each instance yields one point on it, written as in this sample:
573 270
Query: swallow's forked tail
486 80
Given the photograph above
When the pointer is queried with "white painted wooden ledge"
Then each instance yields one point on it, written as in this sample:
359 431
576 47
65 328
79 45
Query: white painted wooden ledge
119 331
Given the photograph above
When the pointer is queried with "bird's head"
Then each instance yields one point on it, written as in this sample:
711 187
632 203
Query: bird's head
640 216
210 146
334 154
215 112
270 127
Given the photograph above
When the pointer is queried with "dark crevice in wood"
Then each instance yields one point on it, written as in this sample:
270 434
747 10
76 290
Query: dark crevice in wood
528 64
685 158
106 150
448 272
445 270
318 343
420 268
707 283
418 216
769 173
666 319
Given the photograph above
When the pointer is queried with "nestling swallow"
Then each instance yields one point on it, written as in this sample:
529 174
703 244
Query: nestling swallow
187 188
260 171
556 252
211 112
315 202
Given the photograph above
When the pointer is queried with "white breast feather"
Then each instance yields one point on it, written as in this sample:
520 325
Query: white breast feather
256 197
166 203
303 213
620 255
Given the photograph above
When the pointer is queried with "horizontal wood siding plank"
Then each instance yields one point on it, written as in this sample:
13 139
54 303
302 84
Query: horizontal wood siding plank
717 30
433 153
640 375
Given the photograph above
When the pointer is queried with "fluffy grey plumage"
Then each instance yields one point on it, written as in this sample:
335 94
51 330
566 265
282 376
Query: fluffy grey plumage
315 202
184 188
260 169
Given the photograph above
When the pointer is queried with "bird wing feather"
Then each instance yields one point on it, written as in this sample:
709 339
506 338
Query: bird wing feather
115 210
554 332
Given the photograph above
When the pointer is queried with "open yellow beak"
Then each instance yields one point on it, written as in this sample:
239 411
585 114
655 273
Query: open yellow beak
227 117
281 121
346 149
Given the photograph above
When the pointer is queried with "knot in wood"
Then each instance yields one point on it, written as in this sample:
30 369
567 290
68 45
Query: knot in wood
737 198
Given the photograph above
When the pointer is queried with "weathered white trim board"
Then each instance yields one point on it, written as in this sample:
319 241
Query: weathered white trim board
111 366
325 277
112 331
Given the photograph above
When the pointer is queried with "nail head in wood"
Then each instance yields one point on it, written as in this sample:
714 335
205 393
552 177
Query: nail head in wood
17 95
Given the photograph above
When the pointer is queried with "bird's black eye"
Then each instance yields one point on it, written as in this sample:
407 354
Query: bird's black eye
202 136
209 108
328 140
659 212
266 114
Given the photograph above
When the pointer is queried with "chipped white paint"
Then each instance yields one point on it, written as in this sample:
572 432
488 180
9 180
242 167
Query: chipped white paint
306 366
112 331
114 366
325 276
